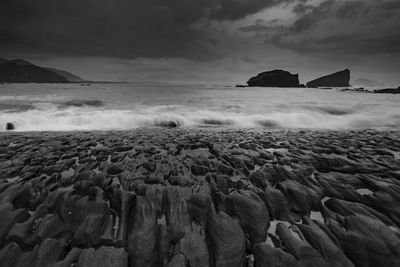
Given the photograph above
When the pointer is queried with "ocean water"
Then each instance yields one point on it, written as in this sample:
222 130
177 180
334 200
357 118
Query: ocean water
108 106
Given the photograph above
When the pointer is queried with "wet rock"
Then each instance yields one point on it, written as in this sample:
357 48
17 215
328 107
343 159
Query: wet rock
21 231
265 255
180 180
10 126
85 175
142 242
367 242
101 180
71 259
277 204
177 261
386 204
10 255
199 170
299 248
194 247
199 205
104 256
48 252
8 219
114 169
90 231
323 244
123 148
297 196
227 240
222 183
74 210
251 213
177 215
222 168
49 227
161 212
347 208
124 204
258 178
167 124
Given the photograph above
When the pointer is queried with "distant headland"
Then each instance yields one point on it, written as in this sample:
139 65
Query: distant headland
21 71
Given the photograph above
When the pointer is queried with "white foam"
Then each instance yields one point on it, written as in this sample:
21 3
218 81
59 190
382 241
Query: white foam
50 107
48 117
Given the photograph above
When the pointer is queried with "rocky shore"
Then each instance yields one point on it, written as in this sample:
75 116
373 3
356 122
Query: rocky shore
203 197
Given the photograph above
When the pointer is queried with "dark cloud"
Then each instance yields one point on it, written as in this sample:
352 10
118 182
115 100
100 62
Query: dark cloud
237 9
119 28
390 5
337 27
352 9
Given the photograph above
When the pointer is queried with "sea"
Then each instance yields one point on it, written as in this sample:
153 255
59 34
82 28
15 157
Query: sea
125 106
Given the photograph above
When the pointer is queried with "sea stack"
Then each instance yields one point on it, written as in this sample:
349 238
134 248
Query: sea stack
10 126
275 78
338 79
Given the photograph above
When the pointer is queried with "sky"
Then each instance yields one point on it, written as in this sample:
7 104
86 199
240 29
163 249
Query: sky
205 40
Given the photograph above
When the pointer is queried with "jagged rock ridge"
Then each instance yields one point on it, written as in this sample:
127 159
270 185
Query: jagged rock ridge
338 79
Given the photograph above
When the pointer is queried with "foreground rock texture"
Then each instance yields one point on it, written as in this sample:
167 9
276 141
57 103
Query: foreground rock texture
338 79
181 197
275 78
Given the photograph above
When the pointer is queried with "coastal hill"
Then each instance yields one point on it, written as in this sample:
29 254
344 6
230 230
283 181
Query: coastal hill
68 75
21 71
275 78
338 79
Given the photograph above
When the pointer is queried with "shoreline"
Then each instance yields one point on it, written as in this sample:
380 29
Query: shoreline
204 197
206 128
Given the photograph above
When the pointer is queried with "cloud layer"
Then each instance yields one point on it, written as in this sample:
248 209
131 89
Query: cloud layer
120 28
337 27
223 38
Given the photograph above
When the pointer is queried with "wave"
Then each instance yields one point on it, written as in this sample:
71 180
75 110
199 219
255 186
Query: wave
332 110
82 103
24 103
95 116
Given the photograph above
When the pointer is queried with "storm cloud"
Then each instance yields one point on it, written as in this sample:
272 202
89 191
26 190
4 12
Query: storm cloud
206 39
118 28
337 27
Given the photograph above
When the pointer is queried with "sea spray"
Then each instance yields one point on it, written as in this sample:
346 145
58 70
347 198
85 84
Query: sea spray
52 107
88 118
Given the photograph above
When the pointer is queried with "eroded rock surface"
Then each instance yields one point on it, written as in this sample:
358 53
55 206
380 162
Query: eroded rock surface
208 197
